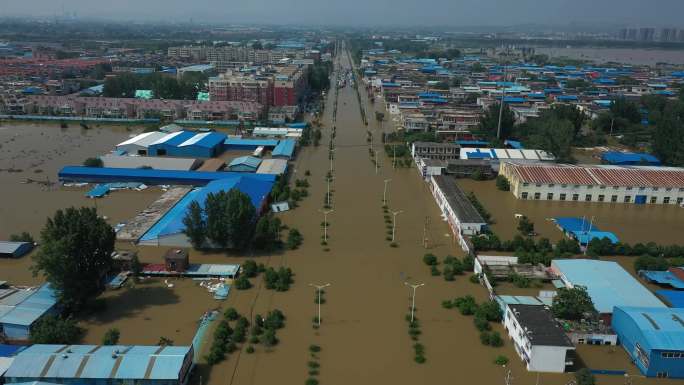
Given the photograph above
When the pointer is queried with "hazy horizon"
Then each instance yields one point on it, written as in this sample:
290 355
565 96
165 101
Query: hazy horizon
366 12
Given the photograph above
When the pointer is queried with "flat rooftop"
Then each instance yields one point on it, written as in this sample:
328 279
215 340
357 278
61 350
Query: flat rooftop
459 202
540 326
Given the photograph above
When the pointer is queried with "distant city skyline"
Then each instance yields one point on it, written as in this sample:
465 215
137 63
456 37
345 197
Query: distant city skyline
664 13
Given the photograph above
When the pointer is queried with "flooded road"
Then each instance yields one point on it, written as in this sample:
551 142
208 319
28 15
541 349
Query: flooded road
363 337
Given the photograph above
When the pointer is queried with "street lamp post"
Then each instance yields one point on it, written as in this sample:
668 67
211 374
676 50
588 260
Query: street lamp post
413 297
325 223
332 155
377 161
394 221
384 192
319 289
328 196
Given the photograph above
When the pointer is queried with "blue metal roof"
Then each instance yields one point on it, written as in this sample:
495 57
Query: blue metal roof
248 161
607 283
663 278
662 328
583 230
172 222
514 143
297 125
174 138
99 362
251 142
10 350
284 148
210 139
616 157
675 298
28 306
149 176
472 142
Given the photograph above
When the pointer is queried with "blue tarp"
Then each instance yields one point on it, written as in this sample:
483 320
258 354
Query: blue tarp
514 143
472 142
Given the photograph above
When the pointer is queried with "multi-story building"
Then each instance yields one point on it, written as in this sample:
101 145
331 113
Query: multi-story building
412 121
240 88
596 183
538 339
434 150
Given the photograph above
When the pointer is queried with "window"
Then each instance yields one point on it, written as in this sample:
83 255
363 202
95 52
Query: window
576 186
641 355
654 200
666 200
525 184
615 187
629 188
642 188
601 198
602 187
587 197
668 189
628 198
590 187
680 200
661 374
523 195
575 197
613 198
538 185
562 197
564 185
551 185
655 189
537 195
549 196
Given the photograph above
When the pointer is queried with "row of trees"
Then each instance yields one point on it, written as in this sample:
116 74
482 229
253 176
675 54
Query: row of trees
163 87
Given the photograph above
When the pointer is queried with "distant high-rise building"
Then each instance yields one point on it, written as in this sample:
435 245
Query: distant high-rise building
646 34
668 34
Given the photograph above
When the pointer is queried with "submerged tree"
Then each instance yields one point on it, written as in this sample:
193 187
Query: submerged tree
75 255
572 303
195 225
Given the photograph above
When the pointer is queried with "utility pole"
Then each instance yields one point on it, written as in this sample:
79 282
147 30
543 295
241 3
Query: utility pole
413 297
384 191
394 156
331 156
377 161
508 380
325 223
503 96
328 196
394 221
319 289
425 232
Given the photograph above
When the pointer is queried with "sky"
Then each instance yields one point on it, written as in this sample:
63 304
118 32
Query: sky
368 12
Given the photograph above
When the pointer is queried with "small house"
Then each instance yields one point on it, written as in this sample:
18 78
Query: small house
176 260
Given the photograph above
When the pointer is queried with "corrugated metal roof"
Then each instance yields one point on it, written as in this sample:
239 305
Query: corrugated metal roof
607 283
284 148
23 307
10 247
174 138
99 362
662 328
205 139
249 161
251 142
157 163
143 139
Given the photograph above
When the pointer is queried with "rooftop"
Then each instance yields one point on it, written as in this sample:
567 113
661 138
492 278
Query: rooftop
607 283
662 328
464 210
540 327
99 362
24 307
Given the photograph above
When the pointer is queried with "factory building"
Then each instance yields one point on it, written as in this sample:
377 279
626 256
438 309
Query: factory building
538 339
102 365
153 162
244 164
20 309
653 338
596 183
179 144
607 283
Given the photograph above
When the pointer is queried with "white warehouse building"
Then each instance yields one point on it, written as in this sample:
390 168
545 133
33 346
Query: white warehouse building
595 183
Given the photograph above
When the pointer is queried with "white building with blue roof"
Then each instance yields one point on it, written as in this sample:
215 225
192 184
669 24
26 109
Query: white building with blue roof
20 309
653 338
102 365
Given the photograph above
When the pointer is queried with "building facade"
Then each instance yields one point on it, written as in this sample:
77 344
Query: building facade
538 339
610 184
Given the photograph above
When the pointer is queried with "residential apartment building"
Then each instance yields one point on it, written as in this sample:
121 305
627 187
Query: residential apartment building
412 121
538 339
596 183
240 88
130 108
433 150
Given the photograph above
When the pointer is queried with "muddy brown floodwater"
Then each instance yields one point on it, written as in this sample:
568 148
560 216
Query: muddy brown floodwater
364 336
663 224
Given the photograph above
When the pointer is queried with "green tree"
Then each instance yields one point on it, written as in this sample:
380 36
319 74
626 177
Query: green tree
51 329
525 226
111 337
572 303
93 162
195 225
554 136
75 255
215 207
490 120
294 239
23 237
585 377
242 283
240 218
267 233
502 183
668 139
